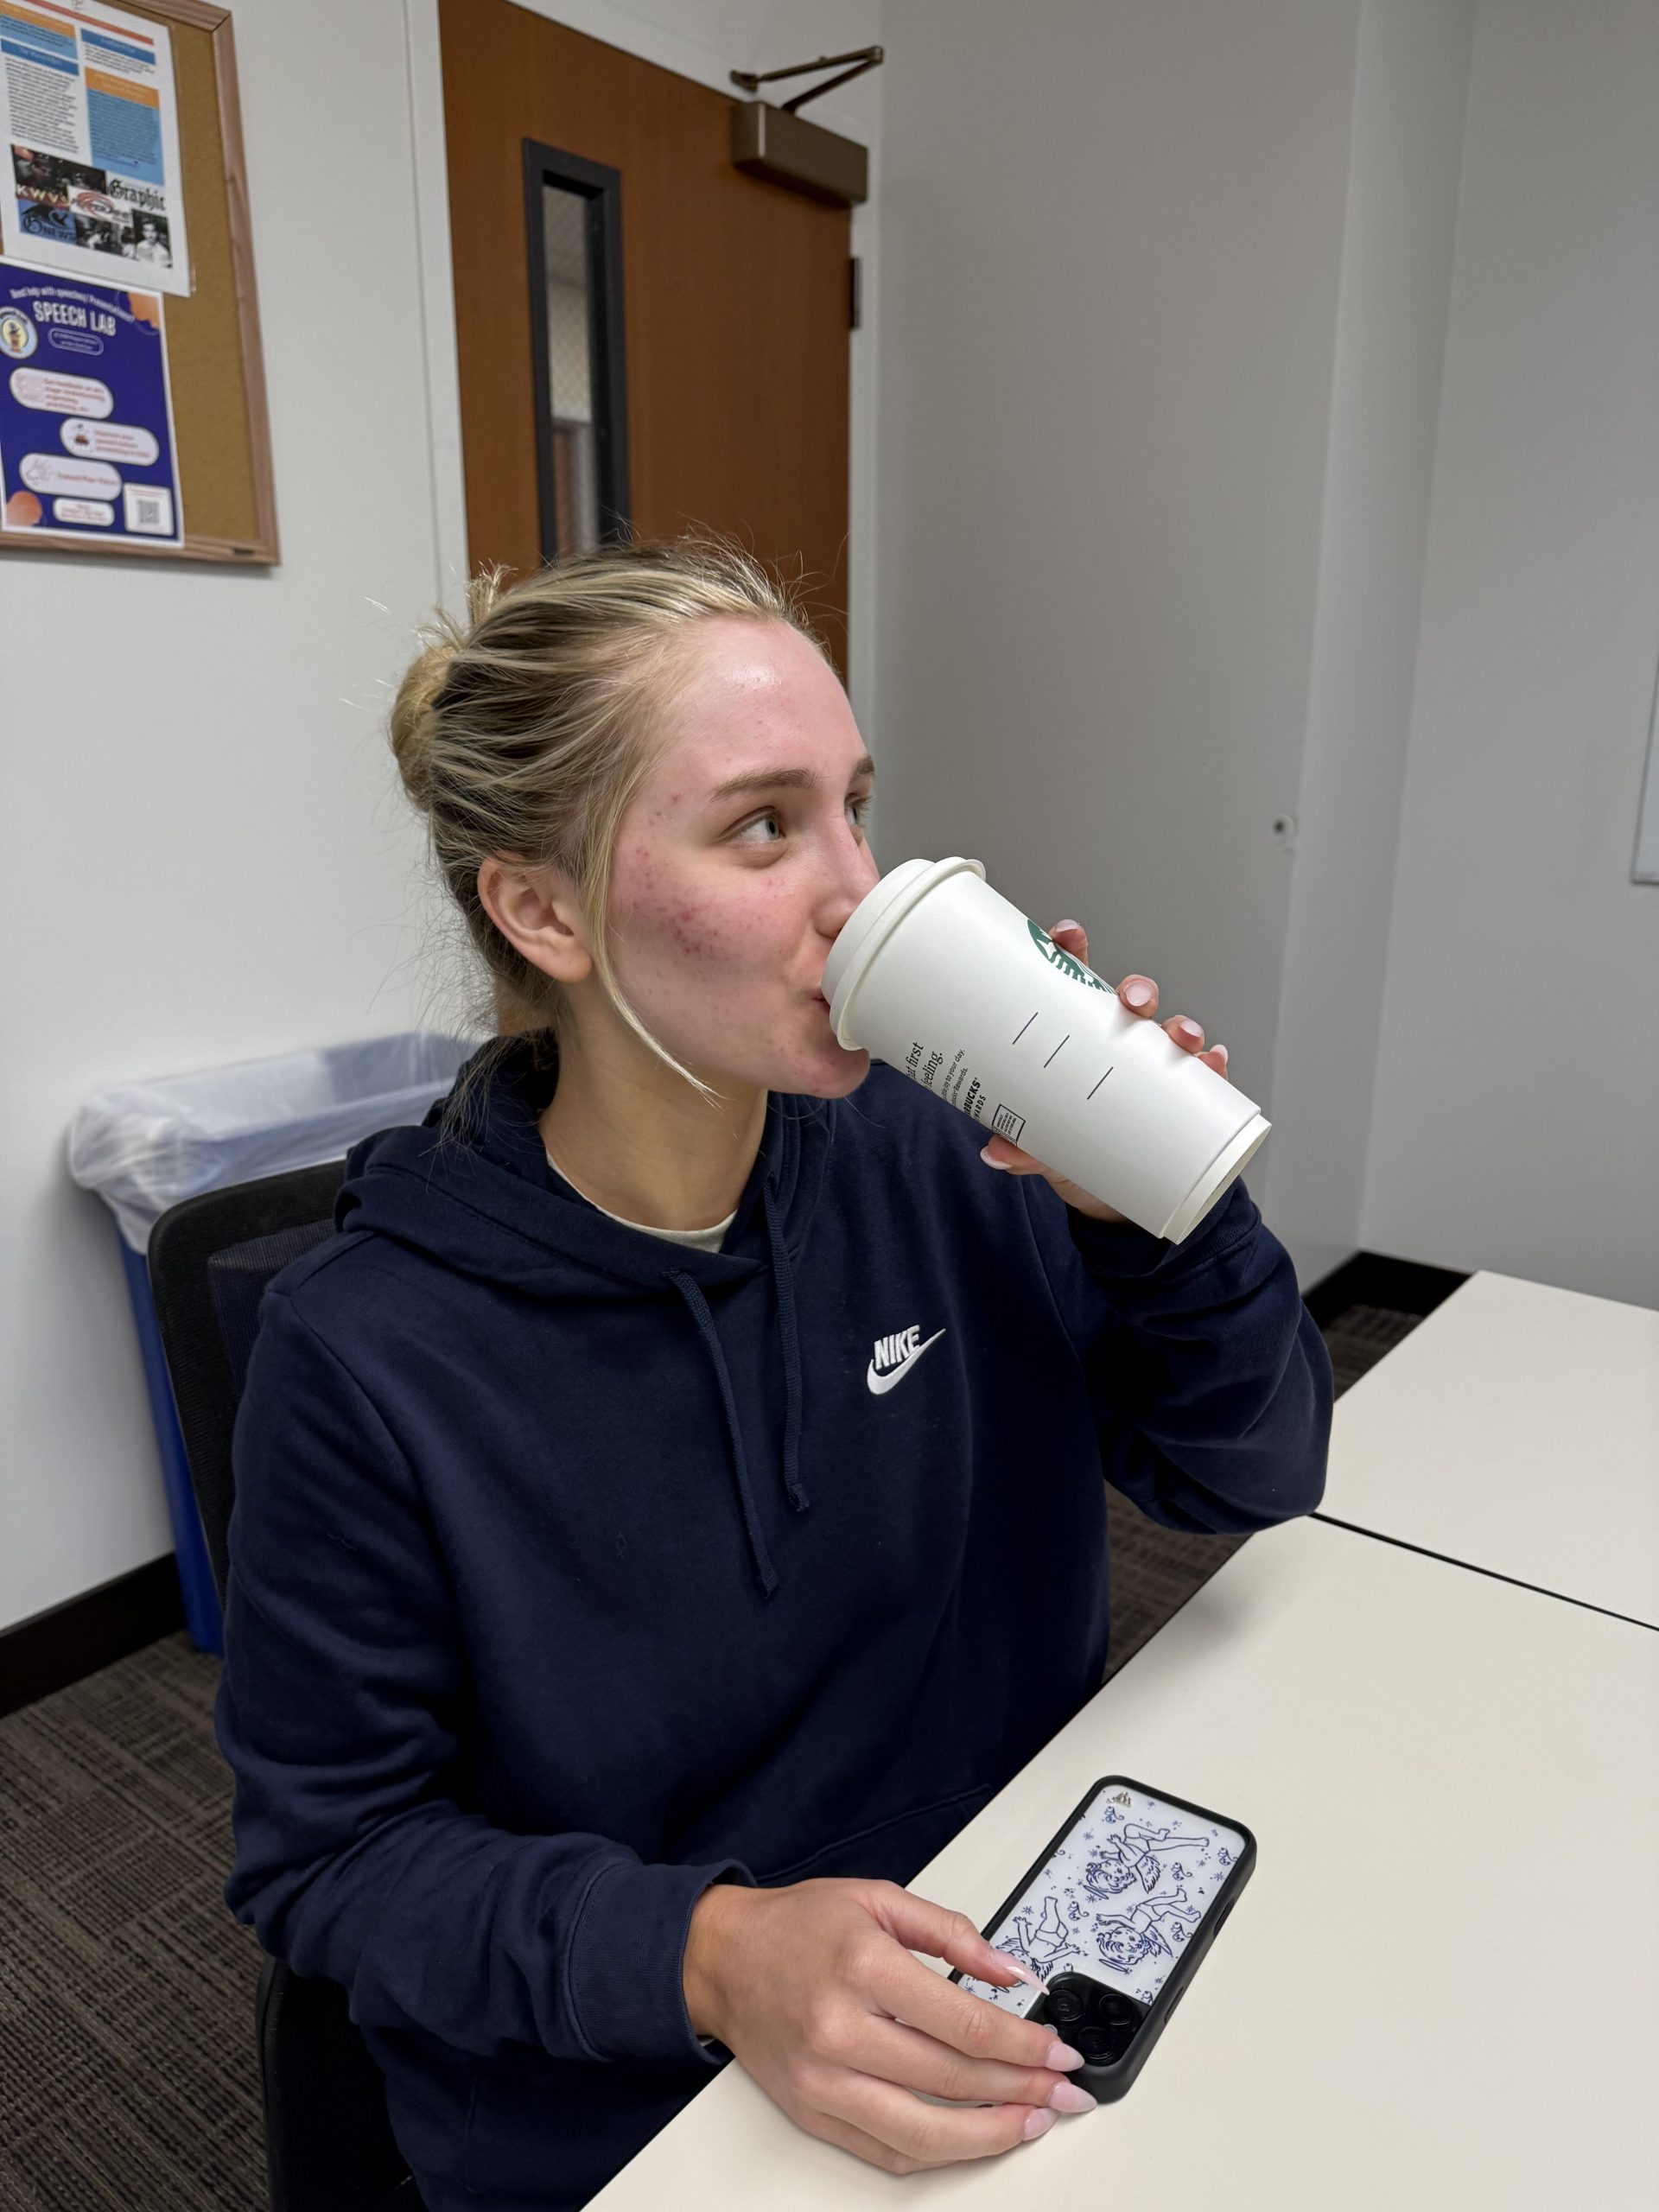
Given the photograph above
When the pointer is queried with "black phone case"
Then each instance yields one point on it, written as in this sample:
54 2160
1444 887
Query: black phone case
1108 2078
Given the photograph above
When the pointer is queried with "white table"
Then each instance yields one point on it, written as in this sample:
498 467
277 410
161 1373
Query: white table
1516 1428
1440 1987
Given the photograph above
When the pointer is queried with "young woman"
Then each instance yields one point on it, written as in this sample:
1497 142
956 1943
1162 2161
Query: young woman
672 1504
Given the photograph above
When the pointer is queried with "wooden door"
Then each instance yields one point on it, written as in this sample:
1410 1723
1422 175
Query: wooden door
736 303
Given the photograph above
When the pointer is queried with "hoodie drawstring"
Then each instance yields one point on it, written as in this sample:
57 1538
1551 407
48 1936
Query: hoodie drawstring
691 1291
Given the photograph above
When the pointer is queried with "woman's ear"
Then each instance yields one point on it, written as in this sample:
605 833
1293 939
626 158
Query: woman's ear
537 909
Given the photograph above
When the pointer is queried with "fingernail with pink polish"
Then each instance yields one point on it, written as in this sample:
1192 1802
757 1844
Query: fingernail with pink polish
1041 2121
985 1154
1137 994
1061 2056
1066 2096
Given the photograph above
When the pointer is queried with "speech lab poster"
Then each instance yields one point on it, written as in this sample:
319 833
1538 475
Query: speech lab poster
86 446
91 119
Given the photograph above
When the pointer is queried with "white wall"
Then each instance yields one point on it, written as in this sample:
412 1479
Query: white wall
1411 89
1112 268
204 856
1192 514
199 858
1514 1125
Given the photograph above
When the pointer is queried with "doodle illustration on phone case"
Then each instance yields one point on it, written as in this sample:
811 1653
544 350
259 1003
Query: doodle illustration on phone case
1126 1887
1044 1945
1124 1941
1135 1854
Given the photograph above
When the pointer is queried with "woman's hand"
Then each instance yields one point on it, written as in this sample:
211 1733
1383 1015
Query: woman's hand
812 1987
1140 995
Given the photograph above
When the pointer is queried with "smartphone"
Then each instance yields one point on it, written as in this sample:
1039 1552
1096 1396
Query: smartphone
1114 1915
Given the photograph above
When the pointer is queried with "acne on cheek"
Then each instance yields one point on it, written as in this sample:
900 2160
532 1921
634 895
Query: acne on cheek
650 898
680 921
694 943
706 931
698 929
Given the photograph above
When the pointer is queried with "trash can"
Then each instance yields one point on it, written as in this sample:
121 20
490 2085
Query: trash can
143 1146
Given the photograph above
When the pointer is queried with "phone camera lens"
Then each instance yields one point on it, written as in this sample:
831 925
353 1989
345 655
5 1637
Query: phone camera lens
1065 2007
1094 2044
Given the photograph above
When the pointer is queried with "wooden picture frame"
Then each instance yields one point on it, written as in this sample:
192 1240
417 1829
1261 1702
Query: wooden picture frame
220 421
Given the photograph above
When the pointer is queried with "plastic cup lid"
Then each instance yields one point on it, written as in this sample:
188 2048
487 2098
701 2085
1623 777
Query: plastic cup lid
870 924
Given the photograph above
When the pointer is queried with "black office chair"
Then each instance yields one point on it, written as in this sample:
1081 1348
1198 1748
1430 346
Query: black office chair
328 2143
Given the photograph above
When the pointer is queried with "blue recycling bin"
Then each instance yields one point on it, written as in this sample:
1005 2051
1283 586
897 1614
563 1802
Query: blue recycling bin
202 1616
144 1146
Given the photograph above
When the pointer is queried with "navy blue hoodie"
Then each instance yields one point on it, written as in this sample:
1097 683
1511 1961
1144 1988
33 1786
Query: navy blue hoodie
573 1569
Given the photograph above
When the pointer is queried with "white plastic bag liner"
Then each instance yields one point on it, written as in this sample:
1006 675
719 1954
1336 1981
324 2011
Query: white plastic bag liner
142 1147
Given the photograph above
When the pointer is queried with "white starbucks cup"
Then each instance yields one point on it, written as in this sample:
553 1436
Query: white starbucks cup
942 977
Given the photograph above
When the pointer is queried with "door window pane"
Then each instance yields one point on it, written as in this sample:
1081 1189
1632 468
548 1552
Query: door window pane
573 213
567 233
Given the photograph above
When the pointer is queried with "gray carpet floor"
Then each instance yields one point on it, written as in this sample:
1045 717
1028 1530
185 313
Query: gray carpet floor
127 2072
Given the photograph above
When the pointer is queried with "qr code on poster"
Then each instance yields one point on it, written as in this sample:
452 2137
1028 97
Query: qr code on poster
148 510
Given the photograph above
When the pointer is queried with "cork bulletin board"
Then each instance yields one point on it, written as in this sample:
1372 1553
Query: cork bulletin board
220 425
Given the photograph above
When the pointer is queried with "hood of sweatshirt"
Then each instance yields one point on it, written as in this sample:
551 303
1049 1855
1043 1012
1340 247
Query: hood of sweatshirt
483 1198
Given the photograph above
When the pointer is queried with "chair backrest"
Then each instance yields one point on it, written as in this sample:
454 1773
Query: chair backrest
210 1258
328 2143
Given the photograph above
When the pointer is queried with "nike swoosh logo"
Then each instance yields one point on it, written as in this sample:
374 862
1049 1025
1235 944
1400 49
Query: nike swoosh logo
880 1382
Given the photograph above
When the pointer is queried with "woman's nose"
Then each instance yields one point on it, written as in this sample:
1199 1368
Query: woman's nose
854 884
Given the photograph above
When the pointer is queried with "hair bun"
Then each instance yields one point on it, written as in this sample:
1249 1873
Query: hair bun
411 711
417 696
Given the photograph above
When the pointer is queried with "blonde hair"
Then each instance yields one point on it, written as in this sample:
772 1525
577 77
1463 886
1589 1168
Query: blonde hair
525 731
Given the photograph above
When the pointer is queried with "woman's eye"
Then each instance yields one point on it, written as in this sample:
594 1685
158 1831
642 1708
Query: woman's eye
858 809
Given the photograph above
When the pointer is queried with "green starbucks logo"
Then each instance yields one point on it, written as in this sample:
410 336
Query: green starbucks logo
1062 961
